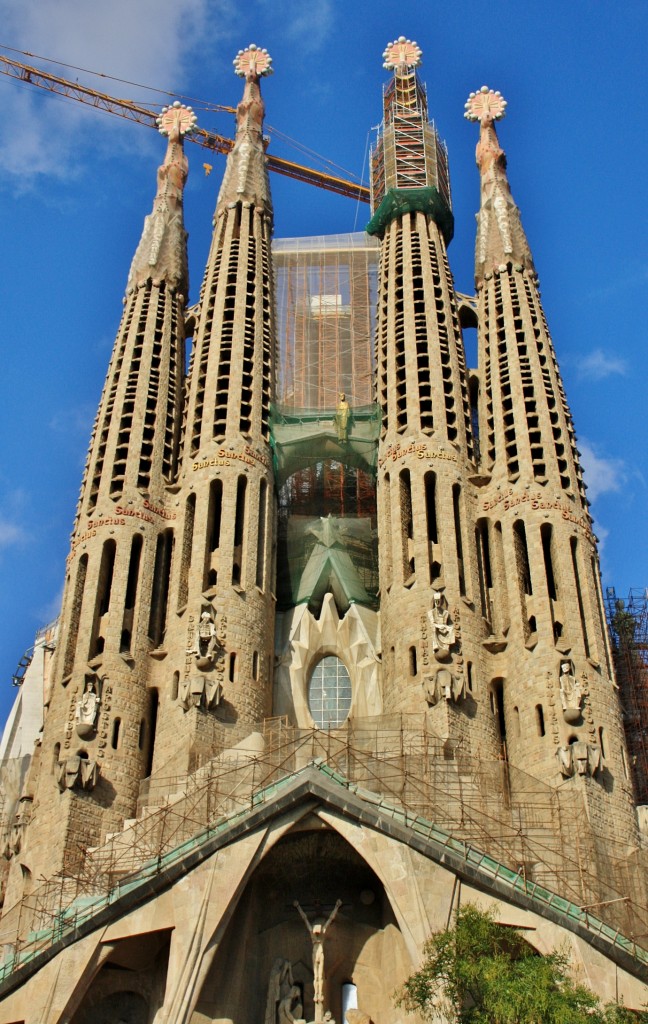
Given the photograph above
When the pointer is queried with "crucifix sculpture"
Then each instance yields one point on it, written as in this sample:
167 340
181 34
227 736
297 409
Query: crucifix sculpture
317 932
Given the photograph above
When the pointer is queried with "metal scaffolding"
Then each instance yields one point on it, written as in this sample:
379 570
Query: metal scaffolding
530 837
628 622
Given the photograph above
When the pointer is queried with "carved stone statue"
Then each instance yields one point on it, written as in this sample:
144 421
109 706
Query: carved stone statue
442 629
587 757
87 708
206 643
280 985
77 772
342 415
290 1008
565 763
200 691
317 932
570 692
443 685
579 758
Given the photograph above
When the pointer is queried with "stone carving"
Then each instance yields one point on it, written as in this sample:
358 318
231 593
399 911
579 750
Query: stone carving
317 932
205 652
443 685
357 1017
87 707
442 629
290 1008
21 819
578 758
200 691
342 417
280 986
205 644
565 761
587 757
570 692
77 772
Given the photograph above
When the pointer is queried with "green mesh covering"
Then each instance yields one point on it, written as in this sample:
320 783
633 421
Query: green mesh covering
322 555
399 201
302 438
325 469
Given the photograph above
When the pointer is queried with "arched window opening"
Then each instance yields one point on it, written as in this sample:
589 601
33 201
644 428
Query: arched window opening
329 693
115 739
214 515
232 667
255 665
497 703
102 603
239 532
407 526
413 668
573 543
261 549
456 504
160 587
540 722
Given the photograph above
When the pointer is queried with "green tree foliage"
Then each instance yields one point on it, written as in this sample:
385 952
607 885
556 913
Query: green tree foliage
482 972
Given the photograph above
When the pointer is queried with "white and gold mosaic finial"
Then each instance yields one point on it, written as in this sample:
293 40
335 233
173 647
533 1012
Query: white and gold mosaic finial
176 119
253 62
402 53
485 105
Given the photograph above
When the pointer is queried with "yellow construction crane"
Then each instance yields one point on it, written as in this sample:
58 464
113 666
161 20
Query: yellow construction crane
142 115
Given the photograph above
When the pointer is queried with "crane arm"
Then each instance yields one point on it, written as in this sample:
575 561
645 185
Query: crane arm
142 115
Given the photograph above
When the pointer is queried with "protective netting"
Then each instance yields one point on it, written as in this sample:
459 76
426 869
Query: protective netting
302 438
399 201
324 427
326 554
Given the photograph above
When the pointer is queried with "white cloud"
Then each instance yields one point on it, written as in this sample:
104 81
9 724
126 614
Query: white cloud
601 475
10 533
599 364
149 42
308 26
73 420
51 610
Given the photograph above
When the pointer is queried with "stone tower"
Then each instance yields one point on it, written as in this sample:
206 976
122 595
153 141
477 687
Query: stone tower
221 608
431 629
97 743
547 654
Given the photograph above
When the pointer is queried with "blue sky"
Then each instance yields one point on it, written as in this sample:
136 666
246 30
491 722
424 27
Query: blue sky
77 183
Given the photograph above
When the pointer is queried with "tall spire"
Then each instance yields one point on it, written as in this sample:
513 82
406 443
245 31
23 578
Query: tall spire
500 236
246 175
162 253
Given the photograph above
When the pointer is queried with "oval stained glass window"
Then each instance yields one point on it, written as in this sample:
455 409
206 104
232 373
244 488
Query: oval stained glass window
329 693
